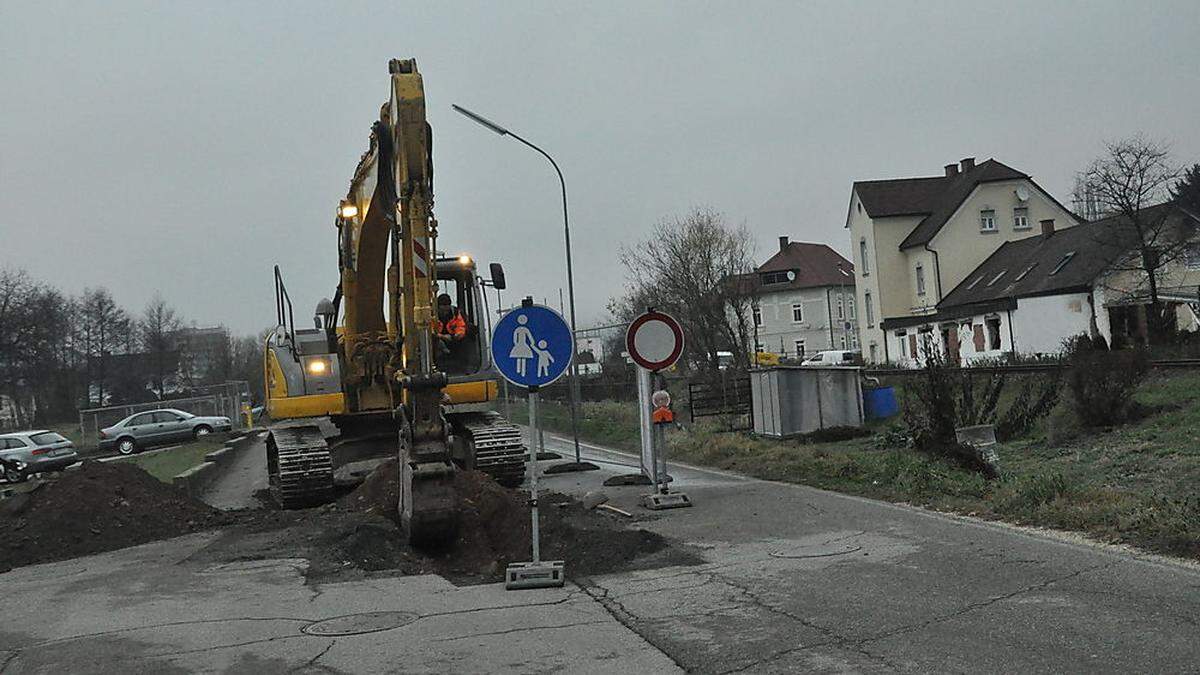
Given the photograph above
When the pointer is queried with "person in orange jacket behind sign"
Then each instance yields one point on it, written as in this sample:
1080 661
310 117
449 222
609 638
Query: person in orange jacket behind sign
449 326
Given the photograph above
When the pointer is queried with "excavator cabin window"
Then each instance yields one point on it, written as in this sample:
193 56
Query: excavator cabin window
459 348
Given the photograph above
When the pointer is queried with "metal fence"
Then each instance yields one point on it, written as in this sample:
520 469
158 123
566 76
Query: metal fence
727 396
222 400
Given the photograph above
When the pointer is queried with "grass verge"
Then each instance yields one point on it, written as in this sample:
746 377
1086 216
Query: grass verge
1137 484
167 464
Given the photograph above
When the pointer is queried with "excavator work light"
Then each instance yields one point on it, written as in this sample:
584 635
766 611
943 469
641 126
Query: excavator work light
317 367
347 210
464 259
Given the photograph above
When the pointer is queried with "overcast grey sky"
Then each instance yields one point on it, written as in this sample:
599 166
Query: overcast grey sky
188 147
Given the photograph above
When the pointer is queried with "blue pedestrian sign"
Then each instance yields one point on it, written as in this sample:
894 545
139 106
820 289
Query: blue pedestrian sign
532 346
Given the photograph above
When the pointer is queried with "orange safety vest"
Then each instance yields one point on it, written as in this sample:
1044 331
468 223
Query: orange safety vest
455 327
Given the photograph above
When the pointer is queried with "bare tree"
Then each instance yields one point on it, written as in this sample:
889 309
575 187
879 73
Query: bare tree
33 342
694 268
104 329
1129 181
159 321
246 362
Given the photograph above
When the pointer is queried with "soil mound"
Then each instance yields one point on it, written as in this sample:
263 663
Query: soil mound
495 530
99 507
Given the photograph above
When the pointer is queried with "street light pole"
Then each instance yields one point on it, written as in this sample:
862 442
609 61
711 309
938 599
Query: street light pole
578 464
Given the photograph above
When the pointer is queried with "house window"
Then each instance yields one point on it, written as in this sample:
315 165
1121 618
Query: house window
987 220
920 280
850 304
843 340
993 332
800 349
862 256
797 312
757 316
841 311
1063 263
873 350
869 309
1020 218
758 348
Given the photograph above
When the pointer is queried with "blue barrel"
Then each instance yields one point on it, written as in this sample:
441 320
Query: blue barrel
880 403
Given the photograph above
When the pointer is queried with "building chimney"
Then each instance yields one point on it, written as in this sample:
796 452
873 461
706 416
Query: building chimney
1047 228
951 170
968 163
783 243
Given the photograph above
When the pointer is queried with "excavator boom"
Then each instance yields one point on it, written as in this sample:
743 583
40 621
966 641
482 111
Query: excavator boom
377 375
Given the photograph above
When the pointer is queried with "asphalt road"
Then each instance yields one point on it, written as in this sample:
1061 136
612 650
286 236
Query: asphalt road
795 580
245 474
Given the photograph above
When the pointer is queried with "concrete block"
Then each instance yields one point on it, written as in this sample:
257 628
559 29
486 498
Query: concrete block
195 478
216 455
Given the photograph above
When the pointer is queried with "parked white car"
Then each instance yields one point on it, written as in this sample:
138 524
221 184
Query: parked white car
836 357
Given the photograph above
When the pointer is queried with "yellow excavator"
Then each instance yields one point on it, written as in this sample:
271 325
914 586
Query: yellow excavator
392 383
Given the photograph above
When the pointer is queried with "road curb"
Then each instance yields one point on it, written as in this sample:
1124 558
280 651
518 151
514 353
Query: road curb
196 479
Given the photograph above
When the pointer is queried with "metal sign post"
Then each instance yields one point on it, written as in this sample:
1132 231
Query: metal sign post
655 342
533 346
534 528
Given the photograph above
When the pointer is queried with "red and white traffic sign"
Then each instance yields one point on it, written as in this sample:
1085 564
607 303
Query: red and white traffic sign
654 340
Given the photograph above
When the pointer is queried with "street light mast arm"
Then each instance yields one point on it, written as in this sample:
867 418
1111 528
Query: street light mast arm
503 131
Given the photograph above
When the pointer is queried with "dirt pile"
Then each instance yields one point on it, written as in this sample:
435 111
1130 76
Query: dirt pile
99 507
495 530
102 507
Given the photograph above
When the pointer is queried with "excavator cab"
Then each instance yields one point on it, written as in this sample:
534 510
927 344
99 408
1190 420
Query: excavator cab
467 362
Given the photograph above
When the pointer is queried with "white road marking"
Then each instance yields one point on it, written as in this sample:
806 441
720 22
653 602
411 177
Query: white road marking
638 458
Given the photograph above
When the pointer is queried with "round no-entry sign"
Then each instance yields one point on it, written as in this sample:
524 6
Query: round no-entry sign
654 340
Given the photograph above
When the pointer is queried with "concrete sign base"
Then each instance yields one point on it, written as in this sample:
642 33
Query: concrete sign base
666 500
545 574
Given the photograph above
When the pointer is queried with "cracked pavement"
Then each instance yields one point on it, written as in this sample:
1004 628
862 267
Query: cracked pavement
794 580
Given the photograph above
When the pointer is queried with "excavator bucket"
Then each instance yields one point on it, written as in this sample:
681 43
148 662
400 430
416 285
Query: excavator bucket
429 503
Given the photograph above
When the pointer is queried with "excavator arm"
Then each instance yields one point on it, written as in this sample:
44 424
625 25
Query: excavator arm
388 213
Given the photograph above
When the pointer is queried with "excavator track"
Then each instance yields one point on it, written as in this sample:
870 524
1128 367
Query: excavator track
499 449
300 466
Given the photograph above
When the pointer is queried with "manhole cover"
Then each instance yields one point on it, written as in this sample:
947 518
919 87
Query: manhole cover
816 551
356 624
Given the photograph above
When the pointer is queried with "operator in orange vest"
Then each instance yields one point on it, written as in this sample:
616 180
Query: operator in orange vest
449 326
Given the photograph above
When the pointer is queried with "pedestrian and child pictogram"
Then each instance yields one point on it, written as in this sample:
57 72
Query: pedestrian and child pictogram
532 346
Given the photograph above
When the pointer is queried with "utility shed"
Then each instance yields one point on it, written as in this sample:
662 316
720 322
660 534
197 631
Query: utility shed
792 400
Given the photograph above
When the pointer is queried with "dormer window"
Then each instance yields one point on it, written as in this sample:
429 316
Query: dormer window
997 277
769 278
975 283
1062 263
987 220
1024 273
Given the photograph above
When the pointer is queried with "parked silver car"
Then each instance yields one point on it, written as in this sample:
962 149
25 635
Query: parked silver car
158 427
29 452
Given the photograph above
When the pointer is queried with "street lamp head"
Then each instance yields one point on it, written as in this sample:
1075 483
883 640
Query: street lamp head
480 119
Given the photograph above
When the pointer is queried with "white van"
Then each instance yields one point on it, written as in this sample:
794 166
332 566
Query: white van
829 359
